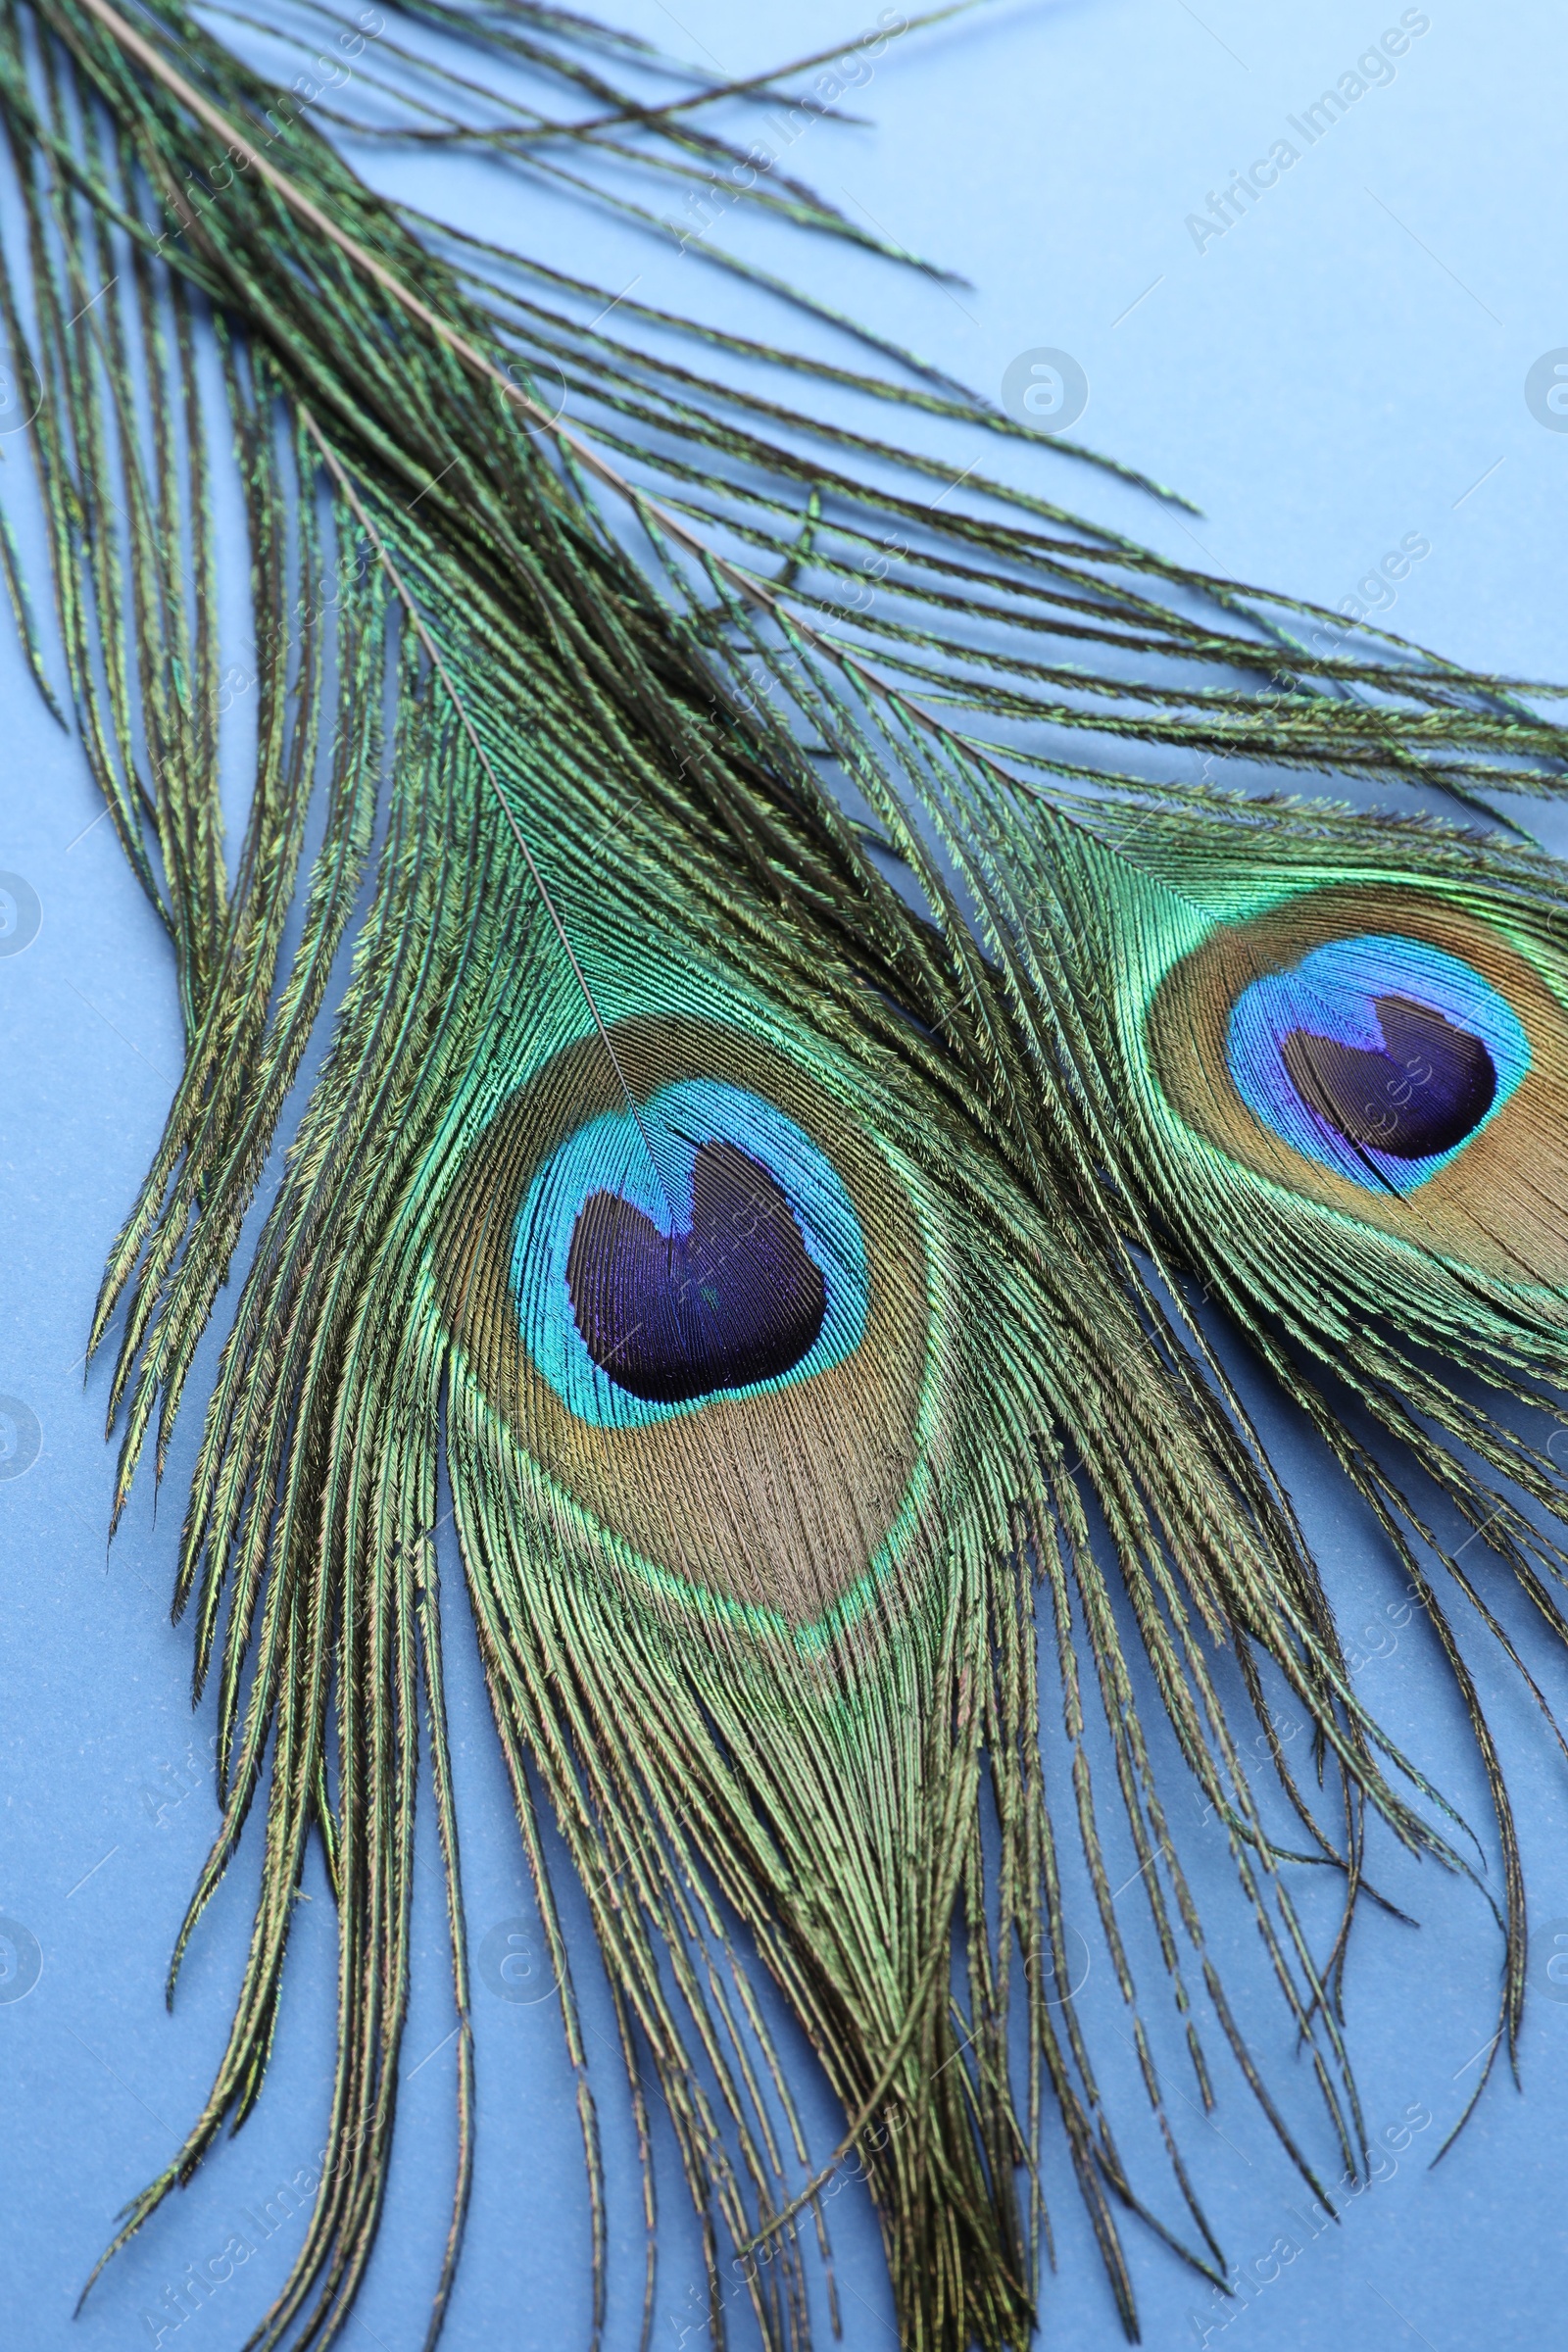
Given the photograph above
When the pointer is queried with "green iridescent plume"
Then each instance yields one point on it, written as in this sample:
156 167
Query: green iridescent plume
787 1073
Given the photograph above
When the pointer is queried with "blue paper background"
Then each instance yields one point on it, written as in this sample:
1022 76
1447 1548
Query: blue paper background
1343 367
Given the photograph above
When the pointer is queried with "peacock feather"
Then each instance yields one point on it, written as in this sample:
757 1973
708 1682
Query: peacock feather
789 1082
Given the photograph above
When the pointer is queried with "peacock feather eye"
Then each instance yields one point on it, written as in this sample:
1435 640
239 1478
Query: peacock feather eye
1387 1052
1379 1057
731 1298
698 1245
697 1295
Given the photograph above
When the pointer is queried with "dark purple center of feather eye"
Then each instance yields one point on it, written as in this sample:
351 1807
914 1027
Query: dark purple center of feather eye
734 1300
1431 1086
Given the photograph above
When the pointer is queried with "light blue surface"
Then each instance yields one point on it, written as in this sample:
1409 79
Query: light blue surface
1343 369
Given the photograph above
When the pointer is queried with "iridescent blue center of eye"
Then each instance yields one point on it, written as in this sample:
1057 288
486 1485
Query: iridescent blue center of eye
1377 1056
734 1298
734 1265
